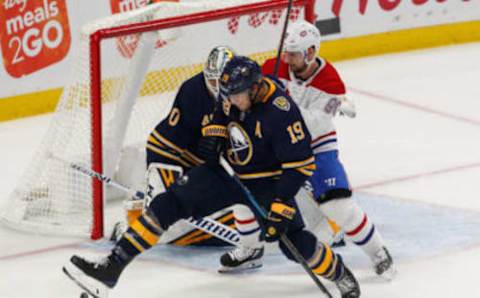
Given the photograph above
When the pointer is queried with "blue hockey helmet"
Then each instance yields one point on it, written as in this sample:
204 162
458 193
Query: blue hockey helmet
240 74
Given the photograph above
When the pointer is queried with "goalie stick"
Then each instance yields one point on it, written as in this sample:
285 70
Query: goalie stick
293 250
206 224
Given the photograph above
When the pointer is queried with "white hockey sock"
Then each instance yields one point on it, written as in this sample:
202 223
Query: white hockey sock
247 226
356 224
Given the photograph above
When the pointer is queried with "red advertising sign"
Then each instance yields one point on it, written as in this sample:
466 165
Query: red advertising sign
34 34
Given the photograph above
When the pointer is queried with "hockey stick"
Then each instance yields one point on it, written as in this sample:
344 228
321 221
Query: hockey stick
206 224
282 37
293 250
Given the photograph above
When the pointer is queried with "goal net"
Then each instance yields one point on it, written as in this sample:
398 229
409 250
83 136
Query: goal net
125 77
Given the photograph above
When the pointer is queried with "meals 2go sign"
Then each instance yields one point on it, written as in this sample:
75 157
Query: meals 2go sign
34 34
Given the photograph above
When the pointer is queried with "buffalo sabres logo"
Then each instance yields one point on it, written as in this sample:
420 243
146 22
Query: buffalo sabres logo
282 103
241 149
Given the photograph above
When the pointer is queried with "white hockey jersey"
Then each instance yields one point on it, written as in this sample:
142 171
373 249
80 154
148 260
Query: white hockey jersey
318 98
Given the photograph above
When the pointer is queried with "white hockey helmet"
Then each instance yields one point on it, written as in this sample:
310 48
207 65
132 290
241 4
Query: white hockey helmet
301 36
216 61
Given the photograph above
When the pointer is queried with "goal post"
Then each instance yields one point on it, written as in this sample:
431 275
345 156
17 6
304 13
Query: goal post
129 68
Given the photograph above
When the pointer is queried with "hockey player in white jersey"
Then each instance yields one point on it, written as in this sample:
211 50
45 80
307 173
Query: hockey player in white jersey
316 87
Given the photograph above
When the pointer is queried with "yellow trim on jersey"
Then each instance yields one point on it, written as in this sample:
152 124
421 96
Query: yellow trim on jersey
305 172
186 155
327 261
163 140
145 233
260 175
215 130
168 155
297 164
189 156
271 89
155 141
133 242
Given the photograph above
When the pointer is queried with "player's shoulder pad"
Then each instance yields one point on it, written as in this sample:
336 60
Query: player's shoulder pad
328 80
192 89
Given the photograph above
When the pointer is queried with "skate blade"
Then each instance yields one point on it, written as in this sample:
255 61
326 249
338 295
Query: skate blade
242 268
389 274
92 287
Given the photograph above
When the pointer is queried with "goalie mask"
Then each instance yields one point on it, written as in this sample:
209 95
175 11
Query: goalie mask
216 61
300 37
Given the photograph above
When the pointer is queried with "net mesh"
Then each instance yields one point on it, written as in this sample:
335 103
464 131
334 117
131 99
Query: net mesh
140 75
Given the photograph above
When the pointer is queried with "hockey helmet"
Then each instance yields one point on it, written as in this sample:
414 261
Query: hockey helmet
216 61
301 36
240 74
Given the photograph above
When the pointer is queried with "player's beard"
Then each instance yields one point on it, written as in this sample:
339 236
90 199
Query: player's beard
298 70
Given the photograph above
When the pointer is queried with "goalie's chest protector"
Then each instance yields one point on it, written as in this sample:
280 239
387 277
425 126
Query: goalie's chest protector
261 140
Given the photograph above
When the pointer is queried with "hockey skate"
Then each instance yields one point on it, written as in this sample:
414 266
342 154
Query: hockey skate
383 264
240 259
95 278
348 285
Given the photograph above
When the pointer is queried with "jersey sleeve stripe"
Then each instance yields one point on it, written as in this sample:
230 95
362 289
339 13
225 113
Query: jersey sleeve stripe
260 175
305 172
166 142
298 164
167 155
189 156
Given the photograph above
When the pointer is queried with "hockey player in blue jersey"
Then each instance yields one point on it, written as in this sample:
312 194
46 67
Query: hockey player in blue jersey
261 131
173 144
316 87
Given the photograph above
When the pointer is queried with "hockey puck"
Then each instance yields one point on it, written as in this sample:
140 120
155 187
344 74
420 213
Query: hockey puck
84 295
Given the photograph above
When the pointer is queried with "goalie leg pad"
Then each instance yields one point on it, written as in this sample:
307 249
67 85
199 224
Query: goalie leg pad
160 177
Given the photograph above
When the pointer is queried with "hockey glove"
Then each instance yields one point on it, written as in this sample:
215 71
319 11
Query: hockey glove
212 143
278 220
347 107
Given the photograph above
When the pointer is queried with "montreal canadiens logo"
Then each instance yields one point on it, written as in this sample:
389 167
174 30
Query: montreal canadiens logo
240 150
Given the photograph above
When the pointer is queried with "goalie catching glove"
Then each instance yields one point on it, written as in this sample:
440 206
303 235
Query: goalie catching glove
278 220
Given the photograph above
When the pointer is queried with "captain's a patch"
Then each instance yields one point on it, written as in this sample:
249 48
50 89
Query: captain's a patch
282 103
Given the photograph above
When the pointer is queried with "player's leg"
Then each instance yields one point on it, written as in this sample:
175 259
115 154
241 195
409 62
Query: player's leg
248 254
200 192
332 192
321 259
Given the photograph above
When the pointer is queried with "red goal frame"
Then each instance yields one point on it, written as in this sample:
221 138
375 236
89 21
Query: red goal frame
96 85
